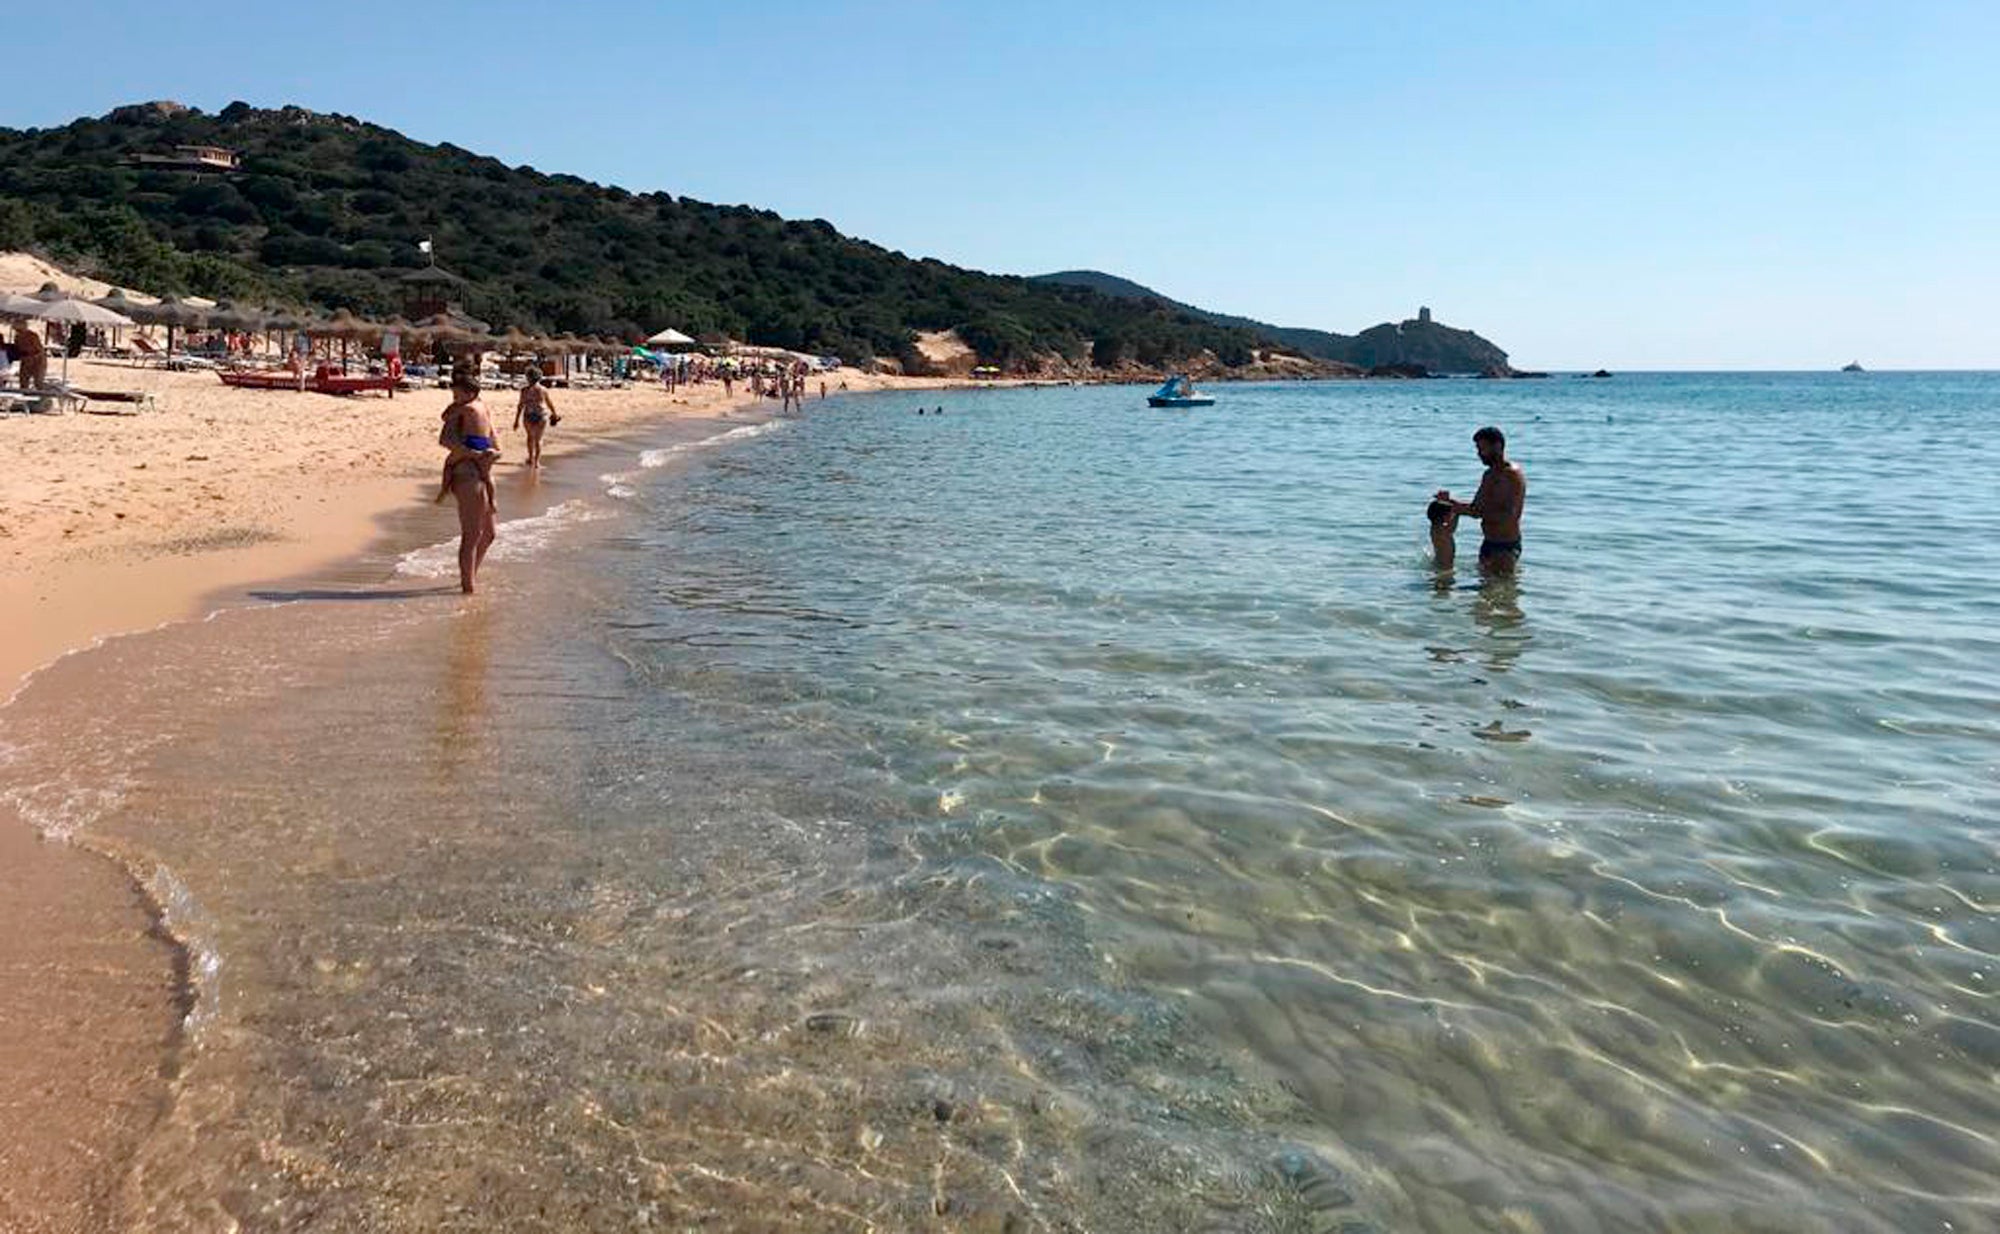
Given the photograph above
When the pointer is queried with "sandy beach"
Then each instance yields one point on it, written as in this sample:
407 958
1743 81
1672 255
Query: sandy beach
113 524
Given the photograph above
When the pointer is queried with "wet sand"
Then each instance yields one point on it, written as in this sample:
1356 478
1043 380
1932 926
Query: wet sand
115 524
88 1032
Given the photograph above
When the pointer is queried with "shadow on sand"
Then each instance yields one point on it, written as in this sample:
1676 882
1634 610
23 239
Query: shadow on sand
385 593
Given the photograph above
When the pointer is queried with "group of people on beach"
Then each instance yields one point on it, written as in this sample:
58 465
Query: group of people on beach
788 384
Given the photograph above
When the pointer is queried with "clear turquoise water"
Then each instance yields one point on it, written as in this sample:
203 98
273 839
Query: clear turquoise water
1088 817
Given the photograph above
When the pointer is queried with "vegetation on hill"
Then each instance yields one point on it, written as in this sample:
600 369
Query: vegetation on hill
327 210
1421 341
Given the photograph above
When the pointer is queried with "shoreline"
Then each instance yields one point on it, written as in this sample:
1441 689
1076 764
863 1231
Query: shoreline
95 1052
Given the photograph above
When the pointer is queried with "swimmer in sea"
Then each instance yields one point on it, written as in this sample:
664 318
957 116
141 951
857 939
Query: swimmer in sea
1503 492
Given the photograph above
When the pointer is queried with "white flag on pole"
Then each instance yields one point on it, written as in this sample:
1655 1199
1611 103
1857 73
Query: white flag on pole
424 246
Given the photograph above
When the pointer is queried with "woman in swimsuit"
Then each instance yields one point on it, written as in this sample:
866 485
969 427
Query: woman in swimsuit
534 410
468 472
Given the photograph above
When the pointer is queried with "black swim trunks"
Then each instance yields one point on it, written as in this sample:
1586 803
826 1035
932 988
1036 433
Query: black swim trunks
1489 549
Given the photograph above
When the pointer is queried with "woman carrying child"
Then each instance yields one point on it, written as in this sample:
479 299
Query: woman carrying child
467 437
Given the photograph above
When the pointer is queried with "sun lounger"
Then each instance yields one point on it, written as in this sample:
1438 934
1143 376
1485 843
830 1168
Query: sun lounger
52 399
115 402
150 354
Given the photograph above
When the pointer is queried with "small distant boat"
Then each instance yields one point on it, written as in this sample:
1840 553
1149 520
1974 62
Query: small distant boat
1179 392
1852 366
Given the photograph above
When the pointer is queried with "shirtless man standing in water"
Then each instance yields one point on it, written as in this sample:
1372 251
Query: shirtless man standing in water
1503 490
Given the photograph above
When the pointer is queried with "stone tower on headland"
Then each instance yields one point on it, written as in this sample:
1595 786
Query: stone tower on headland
1424 313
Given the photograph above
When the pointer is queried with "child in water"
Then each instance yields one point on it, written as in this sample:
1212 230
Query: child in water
1444 527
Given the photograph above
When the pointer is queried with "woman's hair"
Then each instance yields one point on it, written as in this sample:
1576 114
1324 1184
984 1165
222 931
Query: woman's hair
534 375
465 379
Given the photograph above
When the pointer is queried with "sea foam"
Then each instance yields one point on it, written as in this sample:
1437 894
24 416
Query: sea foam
516 540
652 459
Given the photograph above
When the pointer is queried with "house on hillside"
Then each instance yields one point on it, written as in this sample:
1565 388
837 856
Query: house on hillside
190 158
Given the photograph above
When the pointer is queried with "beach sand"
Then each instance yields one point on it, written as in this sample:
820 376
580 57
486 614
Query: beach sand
112 524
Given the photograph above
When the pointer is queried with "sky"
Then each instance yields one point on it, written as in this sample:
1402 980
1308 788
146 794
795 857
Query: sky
1696 185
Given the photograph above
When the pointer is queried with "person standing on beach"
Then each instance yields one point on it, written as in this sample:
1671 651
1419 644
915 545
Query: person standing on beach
468 437
1503 492
535 409
32 356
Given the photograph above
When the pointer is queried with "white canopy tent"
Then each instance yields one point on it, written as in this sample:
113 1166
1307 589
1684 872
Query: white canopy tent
670 337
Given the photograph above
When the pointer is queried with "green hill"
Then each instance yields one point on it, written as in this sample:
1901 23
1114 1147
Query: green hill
1439 348
327 210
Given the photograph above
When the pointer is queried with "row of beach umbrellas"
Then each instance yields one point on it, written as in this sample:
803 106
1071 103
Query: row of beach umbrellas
115 311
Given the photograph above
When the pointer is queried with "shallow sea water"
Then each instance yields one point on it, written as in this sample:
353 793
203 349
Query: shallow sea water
1061 815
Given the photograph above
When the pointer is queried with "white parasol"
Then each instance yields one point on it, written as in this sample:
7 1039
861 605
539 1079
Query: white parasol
65 309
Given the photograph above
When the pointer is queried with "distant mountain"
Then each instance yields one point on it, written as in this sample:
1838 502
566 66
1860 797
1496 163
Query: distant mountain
1439 348
304 207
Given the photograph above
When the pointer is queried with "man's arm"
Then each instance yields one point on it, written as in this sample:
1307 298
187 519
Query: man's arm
1481 500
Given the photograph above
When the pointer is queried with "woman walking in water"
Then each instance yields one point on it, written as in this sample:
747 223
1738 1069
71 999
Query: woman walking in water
467 437
537 411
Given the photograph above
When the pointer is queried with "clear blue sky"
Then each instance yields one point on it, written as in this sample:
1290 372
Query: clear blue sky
1666 185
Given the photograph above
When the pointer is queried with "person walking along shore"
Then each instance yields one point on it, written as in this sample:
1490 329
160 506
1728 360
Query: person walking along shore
537 411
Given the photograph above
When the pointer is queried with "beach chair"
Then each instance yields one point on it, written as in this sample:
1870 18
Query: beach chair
52 399
144 352
115 402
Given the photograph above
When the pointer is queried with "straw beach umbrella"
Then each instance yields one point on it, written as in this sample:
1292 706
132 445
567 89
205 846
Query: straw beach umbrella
345 325
117 302
348 328
226 316
284 323
448 326
172 313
